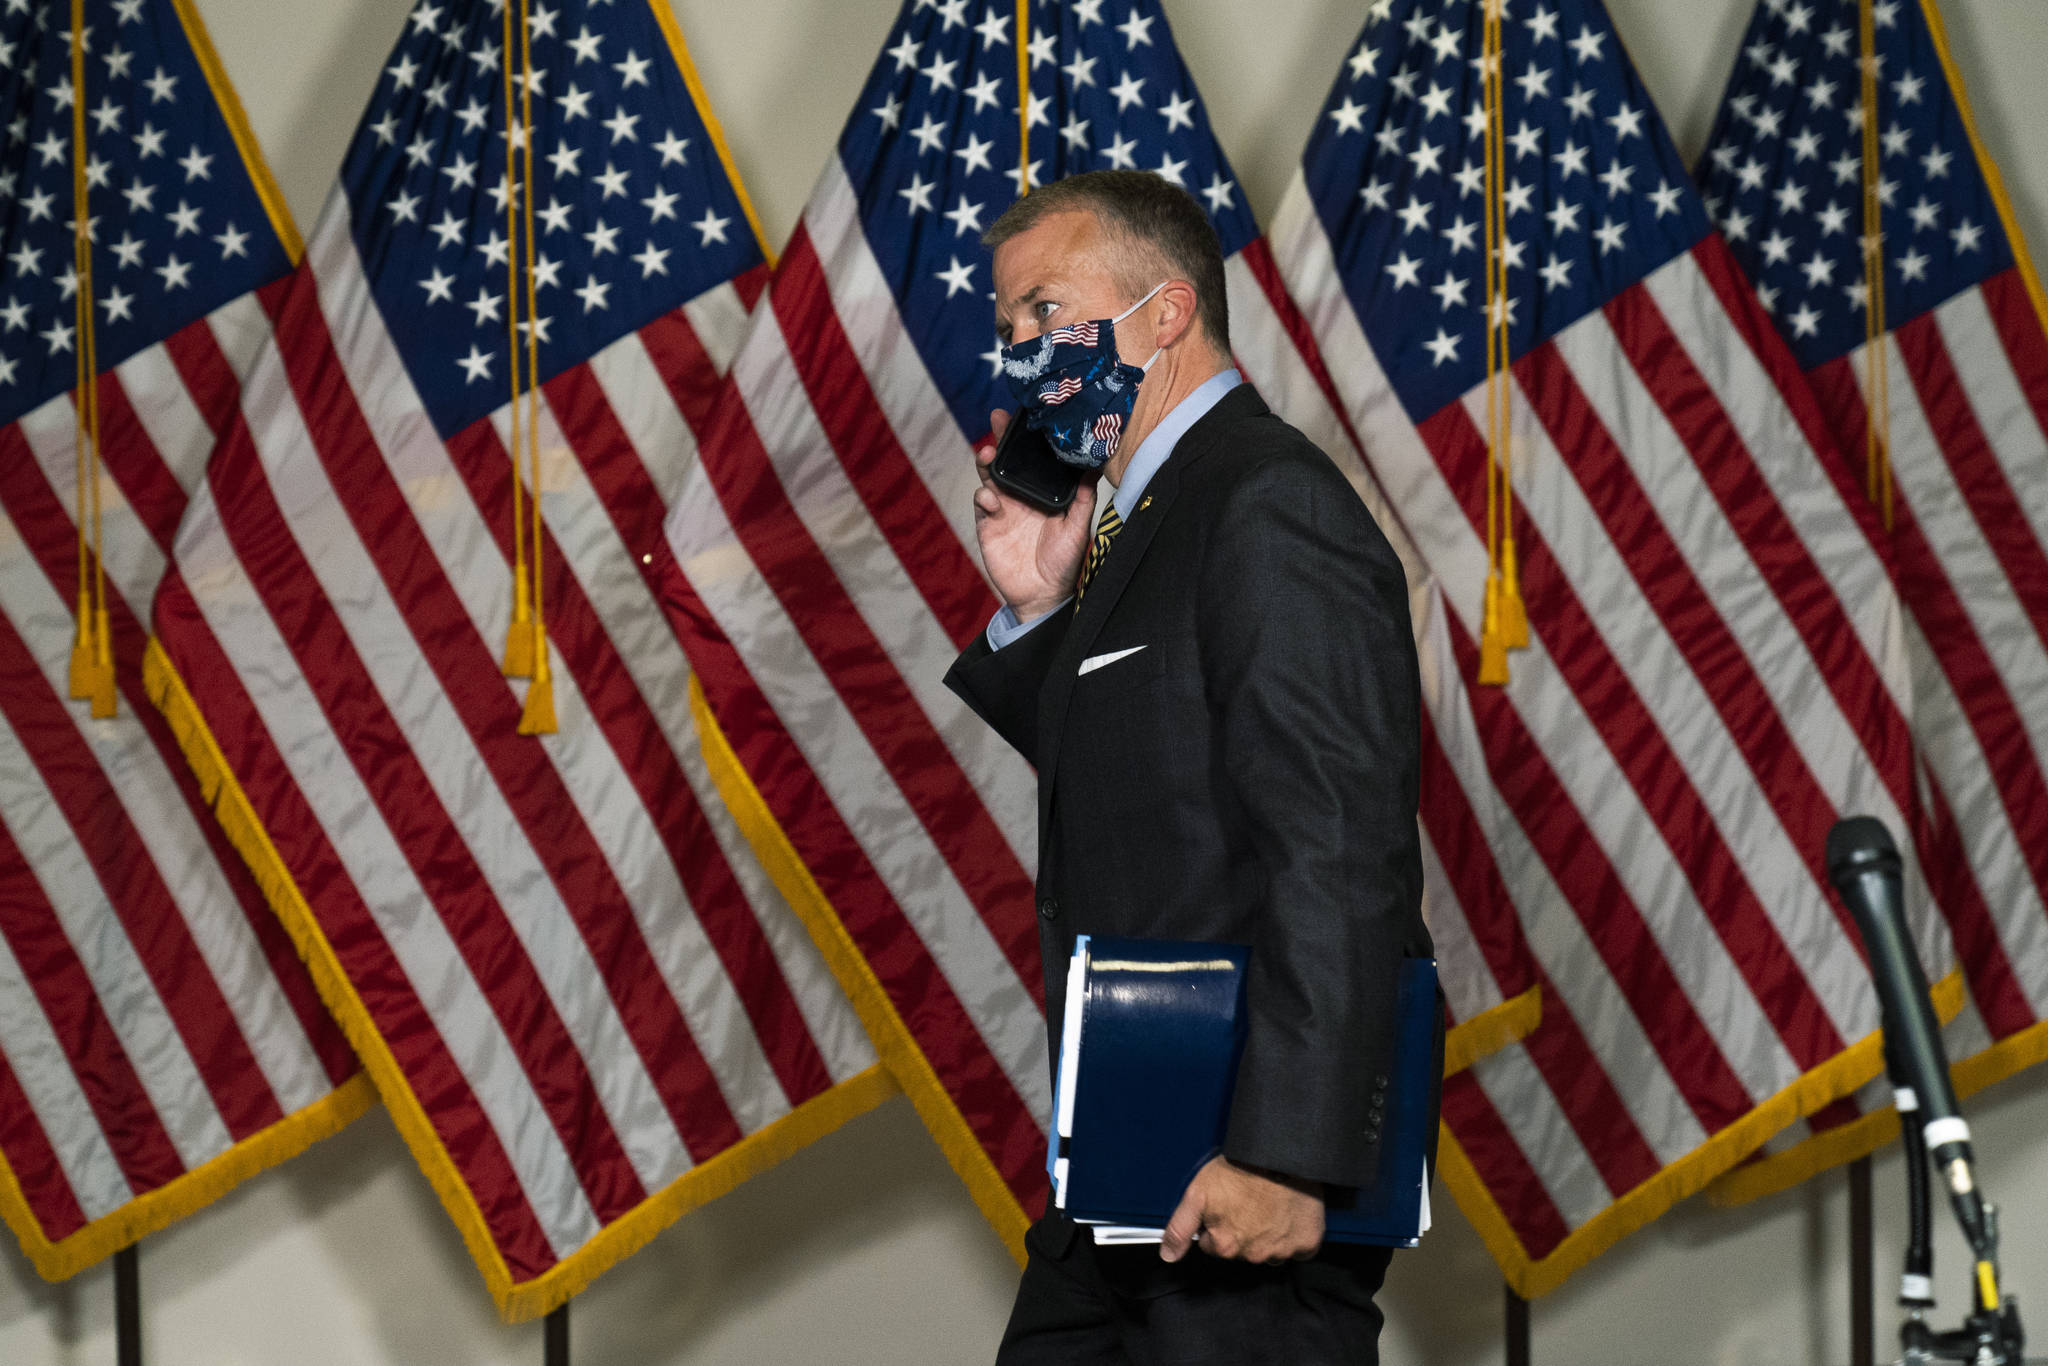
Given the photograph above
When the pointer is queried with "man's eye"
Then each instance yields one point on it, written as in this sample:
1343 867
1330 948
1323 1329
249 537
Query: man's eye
1044 309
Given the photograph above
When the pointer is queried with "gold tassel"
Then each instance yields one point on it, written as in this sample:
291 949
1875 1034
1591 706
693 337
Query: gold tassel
1493 653
83 655
1514 617
538 716
105 697
519 636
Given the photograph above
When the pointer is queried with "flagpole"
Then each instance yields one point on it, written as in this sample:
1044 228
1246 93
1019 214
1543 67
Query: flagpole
1516 1346
128 1306
555 1336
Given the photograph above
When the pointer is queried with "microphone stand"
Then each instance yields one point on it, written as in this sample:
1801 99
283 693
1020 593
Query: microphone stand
1864 864
1991 1335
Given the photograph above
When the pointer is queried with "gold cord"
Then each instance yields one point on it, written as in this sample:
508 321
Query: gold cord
1877 465
1023 98
92 648
538 715
1500 614
518 661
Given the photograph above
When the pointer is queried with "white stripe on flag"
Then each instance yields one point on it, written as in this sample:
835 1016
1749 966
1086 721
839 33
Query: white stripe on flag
881 589
383 875
867 309
2012 431
441 740
120 982
862 790
46 1075
667 448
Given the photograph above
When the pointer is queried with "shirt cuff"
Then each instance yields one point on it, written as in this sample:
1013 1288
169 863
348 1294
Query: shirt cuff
1004 628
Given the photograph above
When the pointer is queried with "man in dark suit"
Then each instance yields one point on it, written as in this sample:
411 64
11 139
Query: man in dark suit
1221 697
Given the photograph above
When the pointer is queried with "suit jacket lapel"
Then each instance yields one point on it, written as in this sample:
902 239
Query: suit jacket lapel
1116 573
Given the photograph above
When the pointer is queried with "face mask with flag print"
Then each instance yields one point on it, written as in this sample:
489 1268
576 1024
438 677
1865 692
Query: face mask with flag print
1071 386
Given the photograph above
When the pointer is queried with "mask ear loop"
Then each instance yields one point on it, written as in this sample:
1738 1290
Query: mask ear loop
1160 351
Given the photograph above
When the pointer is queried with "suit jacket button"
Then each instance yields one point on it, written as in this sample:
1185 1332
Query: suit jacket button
1049 908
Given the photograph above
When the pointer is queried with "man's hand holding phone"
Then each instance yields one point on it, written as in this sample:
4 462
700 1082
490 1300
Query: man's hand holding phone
1032 556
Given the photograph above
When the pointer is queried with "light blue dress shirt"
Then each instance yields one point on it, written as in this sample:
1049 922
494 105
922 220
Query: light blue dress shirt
1151 454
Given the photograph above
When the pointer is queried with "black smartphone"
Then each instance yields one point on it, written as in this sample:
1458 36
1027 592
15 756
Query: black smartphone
1027 467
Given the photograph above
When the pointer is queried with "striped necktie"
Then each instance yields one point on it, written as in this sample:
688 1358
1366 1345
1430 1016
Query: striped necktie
1106 528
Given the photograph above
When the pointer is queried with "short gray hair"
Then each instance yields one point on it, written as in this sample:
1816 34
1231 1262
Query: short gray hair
1149 217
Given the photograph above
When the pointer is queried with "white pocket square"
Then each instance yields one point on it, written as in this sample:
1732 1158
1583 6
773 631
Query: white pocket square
1094 662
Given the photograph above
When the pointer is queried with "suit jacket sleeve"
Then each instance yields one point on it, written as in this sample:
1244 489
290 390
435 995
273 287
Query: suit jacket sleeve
1002 686
1310 670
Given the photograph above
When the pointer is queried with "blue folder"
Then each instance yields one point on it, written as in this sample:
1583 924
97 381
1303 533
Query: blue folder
1148 1057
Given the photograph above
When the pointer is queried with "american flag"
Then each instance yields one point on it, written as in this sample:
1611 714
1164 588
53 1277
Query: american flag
159 1041
827 550
578 993
1715 669
1966 369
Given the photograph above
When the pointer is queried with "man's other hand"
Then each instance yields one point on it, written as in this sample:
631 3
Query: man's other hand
1032 558
1231 1211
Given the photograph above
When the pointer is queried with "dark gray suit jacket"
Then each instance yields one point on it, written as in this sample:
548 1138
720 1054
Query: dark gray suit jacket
1247 774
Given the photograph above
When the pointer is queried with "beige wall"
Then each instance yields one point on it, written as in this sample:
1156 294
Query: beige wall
862 1250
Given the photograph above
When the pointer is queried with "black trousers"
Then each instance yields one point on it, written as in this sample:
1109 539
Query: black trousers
1083 1305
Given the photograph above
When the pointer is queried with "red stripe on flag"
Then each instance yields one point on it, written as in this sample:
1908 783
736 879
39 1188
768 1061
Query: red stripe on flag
1503 1167
635 506
874 461
1992 711
1468 862
749 284
124 1112
1257 256
1573 1072
2020 331
1729 469
2001 1000
135 464
44 1186
351 932
860 669
467 671
1557 828
661 1034
1978 475
59 565
1739 302
150 916
921 994
398 784
208 377
1694 624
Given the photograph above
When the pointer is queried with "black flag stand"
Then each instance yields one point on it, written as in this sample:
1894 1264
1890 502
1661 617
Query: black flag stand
1862 1271
128 1306
555 1338
1517 1327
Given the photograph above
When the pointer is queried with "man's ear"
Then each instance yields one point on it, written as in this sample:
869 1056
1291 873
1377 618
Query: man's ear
1178 304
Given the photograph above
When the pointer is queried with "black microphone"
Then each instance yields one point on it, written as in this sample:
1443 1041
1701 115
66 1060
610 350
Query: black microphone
1863 863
